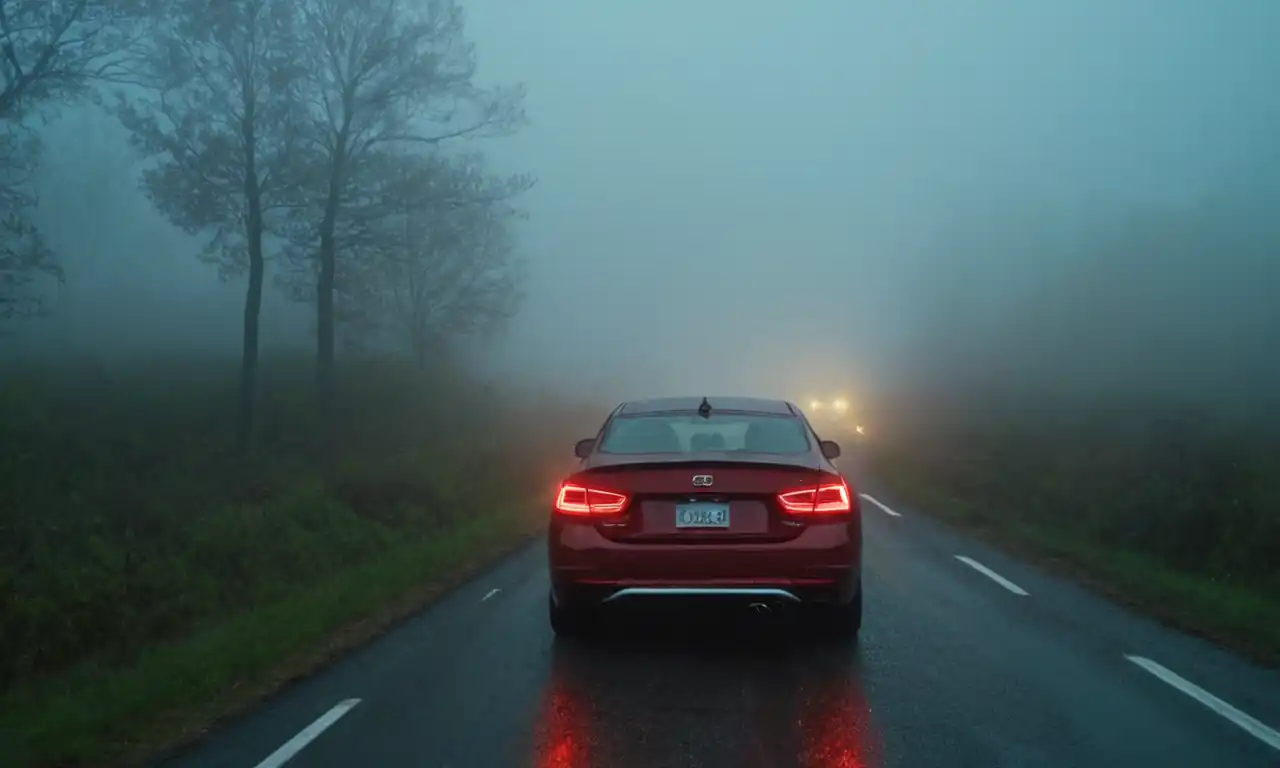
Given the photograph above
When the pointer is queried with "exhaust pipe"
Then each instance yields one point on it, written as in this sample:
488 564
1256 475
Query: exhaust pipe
761 608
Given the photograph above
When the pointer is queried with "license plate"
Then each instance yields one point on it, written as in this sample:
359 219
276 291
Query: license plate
702 515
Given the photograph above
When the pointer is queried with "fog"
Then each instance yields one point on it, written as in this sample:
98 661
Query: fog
754 196
761 197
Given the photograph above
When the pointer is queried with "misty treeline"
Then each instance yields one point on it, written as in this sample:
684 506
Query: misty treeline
1159 302
331 141
1120 394
1179 484
326 134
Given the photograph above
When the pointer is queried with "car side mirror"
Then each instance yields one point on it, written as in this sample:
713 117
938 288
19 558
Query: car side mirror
831 449
582 449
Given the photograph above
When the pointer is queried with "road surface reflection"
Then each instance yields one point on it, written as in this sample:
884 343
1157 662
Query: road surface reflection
707 689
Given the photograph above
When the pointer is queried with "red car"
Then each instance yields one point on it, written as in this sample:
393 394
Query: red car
726 498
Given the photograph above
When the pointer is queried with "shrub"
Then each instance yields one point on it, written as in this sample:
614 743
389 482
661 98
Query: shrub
127 518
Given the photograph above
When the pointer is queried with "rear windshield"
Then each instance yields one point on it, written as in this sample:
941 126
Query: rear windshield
690 433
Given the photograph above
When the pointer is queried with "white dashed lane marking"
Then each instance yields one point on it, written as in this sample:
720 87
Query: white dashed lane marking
1253 726
872 499
491 593
990 574
307 735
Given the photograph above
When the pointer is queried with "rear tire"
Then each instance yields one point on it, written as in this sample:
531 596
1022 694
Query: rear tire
841 622
568 620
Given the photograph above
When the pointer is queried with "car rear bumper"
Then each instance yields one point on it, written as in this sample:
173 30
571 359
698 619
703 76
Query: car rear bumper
822 565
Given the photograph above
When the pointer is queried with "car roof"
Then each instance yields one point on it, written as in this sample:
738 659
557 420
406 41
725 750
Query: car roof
730 403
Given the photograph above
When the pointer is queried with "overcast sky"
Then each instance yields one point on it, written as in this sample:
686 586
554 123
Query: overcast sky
748 196
759 188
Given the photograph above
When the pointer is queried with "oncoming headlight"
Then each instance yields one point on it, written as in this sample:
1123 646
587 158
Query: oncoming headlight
841 405
815 405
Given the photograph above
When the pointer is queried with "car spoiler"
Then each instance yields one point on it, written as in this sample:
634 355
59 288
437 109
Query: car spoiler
702 459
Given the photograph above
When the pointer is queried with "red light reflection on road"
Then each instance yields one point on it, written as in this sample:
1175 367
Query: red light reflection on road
834 728
807 714
561 742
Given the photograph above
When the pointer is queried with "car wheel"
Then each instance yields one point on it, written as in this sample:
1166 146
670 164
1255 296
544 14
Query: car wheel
841 622
568 620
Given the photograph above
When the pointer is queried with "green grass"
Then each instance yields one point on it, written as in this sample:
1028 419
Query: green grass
1243 616
153 579
96 715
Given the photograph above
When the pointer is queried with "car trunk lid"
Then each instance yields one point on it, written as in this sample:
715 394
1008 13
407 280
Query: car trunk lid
732 500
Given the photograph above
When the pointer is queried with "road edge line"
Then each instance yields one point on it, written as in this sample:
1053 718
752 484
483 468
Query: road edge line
880 504
990 574
1253 726
293 746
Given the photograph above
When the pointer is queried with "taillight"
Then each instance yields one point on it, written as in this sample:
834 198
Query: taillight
579 500
824 499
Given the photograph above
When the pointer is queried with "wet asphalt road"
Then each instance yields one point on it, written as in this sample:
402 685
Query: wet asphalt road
954 668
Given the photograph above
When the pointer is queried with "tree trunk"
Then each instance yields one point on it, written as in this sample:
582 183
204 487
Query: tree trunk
325 288
324 314
249 349
257 272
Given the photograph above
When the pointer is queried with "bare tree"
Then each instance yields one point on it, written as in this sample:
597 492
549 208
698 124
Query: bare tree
451 272
51 51
24 257
427 254
385 77
54 50
220 121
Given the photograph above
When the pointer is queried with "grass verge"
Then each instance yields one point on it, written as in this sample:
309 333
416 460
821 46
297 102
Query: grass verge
1240 617
91 715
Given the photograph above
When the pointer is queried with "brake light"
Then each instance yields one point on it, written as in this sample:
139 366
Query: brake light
579 500
825 499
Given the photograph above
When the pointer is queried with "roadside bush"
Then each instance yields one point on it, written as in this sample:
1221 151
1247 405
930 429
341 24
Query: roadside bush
127 518
1198 494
